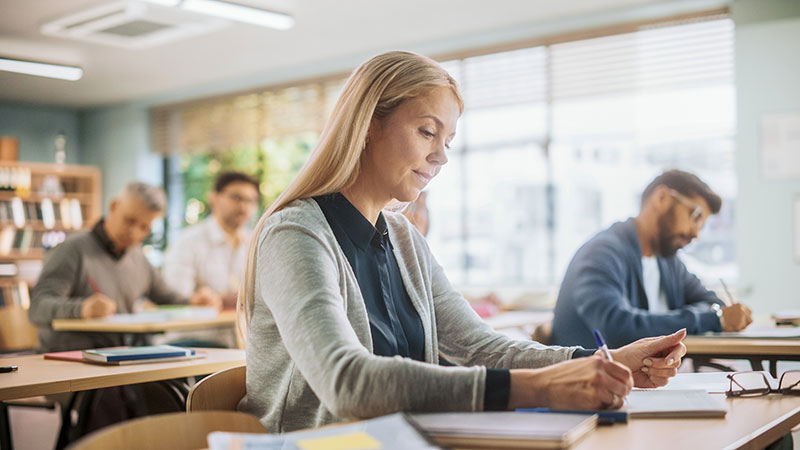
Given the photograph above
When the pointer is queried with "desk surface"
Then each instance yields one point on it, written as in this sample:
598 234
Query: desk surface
39 376
223 319
716 346
751 423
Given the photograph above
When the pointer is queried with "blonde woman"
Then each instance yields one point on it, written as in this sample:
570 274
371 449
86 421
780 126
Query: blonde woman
345 308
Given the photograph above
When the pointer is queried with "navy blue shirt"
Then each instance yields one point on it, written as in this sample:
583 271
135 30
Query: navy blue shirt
394 322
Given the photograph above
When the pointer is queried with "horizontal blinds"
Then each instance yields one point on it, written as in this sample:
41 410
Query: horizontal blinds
504 78
687 54
242 121
693 52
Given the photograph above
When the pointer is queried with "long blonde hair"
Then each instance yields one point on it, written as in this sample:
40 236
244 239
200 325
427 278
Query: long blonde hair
373 91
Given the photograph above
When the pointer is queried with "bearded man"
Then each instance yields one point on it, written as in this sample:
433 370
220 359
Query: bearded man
627 281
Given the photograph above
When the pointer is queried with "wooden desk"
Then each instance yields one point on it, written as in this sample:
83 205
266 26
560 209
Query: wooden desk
754 350
224 319
751 423
39 376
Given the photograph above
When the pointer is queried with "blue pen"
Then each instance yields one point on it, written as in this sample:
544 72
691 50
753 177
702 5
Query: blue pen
601 345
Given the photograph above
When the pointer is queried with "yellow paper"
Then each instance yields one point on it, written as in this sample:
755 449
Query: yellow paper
358 440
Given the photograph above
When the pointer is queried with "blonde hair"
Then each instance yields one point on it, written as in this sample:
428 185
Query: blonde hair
373 91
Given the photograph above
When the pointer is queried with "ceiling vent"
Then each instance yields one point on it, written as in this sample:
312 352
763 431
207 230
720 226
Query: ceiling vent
131 24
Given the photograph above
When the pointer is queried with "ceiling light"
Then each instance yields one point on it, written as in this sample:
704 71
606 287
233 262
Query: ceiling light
234 11
41 69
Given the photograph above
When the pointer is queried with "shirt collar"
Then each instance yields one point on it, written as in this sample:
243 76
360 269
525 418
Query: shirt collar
215 232
357 228
99 232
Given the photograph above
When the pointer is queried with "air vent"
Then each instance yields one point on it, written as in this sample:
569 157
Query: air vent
131 24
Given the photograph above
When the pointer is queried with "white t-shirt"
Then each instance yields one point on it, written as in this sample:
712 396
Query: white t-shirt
651 275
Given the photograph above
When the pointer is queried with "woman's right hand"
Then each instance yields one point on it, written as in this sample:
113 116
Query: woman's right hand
585 383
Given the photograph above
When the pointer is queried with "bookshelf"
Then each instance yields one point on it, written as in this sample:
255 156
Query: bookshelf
40 205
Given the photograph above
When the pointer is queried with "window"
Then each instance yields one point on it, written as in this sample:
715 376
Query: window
557 142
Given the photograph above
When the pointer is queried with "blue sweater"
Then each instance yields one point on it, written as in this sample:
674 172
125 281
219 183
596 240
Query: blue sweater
603 289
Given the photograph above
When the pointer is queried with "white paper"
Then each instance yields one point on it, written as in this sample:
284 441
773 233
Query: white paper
780 146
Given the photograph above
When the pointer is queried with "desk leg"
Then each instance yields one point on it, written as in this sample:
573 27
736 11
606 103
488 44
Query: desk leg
773 367
5 428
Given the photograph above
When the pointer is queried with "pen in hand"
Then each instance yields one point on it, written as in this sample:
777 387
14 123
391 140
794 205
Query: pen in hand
730 301
601 345
93 285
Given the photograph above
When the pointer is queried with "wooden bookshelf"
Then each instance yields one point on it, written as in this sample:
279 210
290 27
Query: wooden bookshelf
40 205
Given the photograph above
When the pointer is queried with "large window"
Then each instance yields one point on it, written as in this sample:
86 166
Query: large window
557 142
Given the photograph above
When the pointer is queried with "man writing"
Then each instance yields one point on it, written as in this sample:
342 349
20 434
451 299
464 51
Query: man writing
627 281
102 272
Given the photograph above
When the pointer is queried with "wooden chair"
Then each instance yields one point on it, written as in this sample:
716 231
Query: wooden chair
16 332
174 431
542 333
220 391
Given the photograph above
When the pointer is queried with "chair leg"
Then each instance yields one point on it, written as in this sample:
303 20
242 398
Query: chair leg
5 428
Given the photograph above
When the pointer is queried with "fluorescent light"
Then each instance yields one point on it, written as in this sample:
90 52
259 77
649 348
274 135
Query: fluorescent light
240 13
41 69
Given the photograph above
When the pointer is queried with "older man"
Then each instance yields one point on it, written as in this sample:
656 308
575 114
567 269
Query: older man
102 272
628 282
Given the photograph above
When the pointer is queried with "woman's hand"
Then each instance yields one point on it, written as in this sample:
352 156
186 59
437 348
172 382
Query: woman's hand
653 361
584 383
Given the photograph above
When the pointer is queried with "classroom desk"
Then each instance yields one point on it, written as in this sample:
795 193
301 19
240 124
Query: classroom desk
752 349
751 423
38 376
223 319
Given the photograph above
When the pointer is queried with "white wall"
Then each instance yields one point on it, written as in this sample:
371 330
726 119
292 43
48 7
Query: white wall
767 81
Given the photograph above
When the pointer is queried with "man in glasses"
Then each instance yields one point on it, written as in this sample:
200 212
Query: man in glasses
627 281
212 254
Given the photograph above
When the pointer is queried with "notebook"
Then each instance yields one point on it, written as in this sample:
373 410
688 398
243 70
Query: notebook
678 403
147 352
394 431
77 356
504 429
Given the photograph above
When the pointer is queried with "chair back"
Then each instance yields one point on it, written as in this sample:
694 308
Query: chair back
220 391
173 431
16 332
542 333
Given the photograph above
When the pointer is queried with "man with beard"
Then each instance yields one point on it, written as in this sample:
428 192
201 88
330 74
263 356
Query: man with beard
212 254
627 281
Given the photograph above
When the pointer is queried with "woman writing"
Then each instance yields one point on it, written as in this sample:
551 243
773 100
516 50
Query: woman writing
346 309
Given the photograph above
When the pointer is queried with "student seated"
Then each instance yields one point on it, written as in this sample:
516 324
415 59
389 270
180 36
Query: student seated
212 253
103 271
346 309
628 282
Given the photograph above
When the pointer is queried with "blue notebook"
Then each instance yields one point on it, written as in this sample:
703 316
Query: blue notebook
603 416
149 352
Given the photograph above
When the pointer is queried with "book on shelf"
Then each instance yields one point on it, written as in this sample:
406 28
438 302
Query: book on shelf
48 214
17 294
123 355
394 431
78 356
506 429
18 212
63 212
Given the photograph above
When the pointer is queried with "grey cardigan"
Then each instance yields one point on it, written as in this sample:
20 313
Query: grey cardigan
309 348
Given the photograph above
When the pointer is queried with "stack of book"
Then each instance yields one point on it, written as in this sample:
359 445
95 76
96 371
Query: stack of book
128 355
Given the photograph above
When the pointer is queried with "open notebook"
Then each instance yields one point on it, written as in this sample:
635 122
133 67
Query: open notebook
680 403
